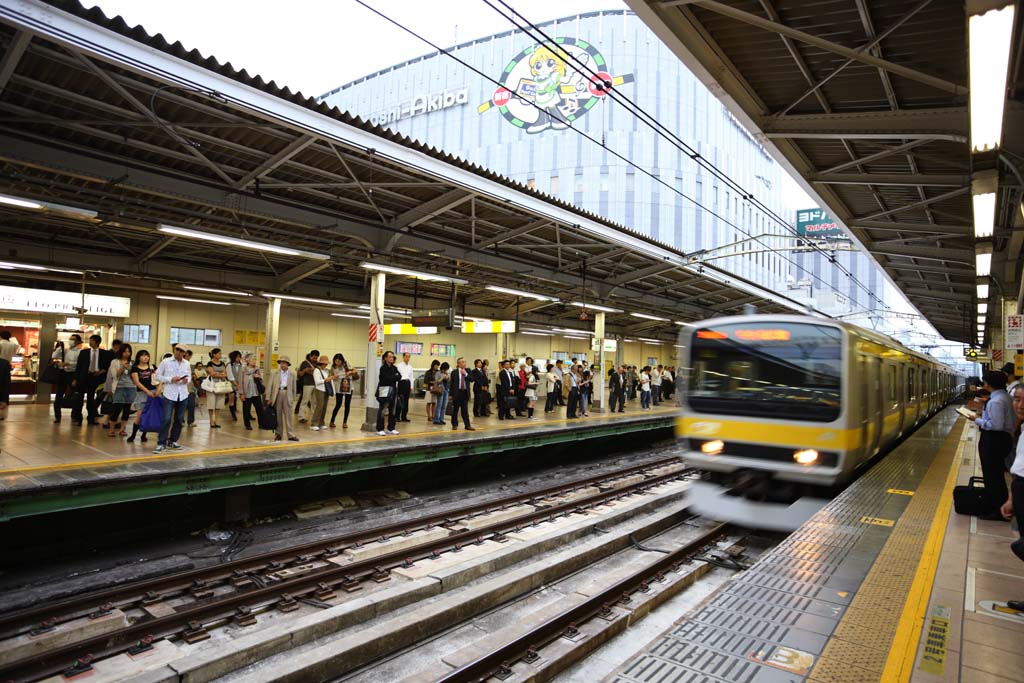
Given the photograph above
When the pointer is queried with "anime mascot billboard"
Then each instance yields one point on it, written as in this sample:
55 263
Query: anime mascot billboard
550 86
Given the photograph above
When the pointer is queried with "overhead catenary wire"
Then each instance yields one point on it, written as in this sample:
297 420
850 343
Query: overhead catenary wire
680 144
611 151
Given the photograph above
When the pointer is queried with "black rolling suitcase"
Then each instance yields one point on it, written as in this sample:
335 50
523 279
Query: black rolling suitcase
970 499
268 418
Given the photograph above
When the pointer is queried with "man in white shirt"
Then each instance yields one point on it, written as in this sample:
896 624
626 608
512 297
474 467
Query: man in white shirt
404 388
656 385
560 375
174 375
1011 379
8 350
1014 505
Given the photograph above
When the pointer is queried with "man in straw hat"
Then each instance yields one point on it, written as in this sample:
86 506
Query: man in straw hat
174 376
281 395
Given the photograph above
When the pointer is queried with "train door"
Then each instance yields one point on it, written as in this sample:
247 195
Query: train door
900 398
871 430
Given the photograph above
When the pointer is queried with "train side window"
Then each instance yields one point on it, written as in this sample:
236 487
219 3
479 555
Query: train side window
892 382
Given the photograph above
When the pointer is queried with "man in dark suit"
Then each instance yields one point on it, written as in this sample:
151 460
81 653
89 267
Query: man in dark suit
476 375
508 381
459 386
617 386
91 373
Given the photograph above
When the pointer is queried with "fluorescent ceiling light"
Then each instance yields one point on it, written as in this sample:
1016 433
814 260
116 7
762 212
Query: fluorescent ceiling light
983 263
519 292
595 307
981 327
649 341
982 291
392 311
195 301
569 336
419 275
984 214
304 299
989 37
649 317
14 265
20 203
981 320
982 308
569 330
243 243
349 315
631 341
680 323
212 290
539 334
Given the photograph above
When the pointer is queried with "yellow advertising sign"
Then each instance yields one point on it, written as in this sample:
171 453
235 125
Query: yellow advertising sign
250 337
488 326
406 328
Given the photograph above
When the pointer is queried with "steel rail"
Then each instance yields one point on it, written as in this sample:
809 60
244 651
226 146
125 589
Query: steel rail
88 601
39 666
486 666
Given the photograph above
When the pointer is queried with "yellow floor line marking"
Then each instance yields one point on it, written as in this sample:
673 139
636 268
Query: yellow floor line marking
900 492
280 446
900 663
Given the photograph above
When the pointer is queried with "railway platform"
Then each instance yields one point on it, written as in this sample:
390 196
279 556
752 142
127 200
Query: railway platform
46 467
885 583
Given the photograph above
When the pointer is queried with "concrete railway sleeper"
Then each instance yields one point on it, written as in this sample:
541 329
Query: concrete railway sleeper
235 571
500 662
310 582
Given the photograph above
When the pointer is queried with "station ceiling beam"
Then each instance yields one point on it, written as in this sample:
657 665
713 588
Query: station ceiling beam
828 45
290 150
894 179
875 156
890 226
510 234
13 54
300 272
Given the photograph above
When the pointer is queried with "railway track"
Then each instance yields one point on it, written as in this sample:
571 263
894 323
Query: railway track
235 592
508 659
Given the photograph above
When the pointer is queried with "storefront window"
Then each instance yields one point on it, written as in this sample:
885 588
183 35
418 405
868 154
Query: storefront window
197 336
136 334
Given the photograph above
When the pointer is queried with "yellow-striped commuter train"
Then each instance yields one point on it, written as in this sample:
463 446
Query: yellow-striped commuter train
801 399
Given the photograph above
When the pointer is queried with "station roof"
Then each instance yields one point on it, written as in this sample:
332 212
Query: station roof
866 104
99 115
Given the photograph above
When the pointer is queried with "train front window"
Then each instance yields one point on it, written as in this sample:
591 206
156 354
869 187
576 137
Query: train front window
782 370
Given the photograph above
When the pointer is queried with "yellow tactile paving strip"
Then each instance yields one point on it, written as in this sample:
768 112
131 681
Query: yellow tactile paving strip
876 639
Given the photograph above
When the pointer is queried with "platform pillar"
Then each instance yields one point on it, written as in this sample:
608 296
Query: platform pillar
47 338
599 378
272 345
374 349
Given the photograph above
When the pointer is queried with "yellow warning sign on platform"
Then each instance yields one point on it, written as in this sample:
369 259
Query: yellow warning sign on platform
936 641
878 521
900 492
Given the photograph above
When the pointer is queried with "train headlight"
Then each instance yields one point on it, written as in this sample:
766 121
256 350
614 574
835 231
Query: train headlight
808 456
712 447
